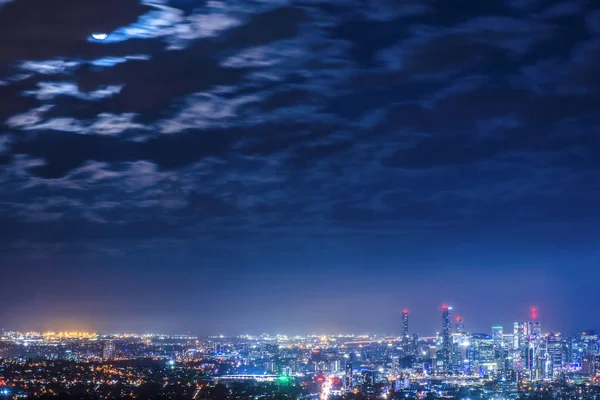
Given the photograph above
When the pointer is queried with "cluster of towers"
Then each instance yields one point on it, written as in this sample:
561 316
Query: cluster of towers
524 353
445 353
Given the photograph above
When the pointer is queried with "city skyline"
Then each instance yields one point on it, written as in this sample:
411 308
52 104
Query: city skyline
455 323
250 165
519 362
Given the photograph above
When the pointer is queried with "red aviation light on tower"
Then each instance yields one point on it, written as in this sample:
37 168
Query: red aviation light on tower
405 311
458 319
444 307
534 313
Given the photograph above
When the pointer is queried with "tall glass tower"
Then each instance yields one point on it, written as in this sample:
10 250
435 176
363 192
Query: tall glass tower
405 324
446 336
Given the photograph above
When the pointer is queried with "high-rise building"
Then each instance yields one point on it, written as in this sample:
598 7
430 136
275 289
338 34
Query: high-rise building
405 324
588 365
482 349
536 328
589 340
507 341
536 348
348 380
555 347
109 350
414 344
518 353
395 364
497 332
460 348
575 350
460 326
446 352
368 381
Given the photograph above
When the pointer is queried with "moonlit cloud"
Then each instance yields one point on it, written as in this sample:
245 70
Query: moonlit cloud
112 124
50 67
161 21
206 111
264 56
28 118
49 90
170 22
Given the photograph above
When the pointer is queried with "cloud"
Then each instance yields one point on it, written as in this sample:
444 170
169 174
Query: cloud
50 67
29 118
285 118
206 110
49 90
52 32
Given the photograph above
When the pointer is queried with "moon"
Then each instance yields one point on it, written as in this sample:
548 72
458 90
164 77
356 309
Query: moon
99 36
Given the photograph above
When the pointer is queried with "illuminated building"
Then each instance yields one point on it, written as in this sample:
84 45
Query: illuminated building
414 345
575 350
270 367
588 365
555 347
395 364
536 349
368 380
460 326
461 343
406 339
109 350
507 341
348 379
519 346
446 351
589 340
497 333
481 352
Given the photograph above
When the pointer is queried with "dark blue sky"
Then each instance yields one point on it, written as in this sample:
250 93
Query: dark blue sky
296 167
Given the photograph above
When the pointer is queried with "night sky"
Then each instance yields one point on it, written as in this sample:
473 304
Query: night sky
294 167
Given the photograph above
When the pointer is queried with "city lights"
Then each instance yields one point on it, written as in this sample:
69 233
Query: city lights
523 359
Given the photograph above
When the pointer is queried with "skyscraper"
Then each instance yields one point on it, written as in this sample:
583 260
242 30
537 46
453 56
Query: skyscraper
535 356
109 350
446 352
368 380
405 324
556 354
460 326
497 334
481 352
348 380
589 340
588 366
